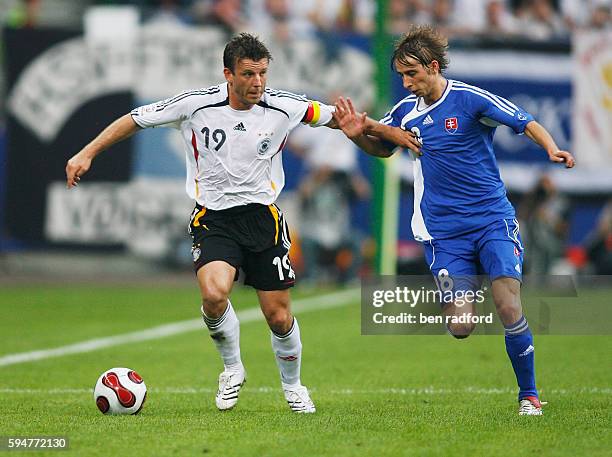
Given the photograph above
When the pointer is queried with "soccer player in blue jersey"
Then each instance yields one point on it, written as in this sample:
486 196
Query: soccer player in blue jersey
461 212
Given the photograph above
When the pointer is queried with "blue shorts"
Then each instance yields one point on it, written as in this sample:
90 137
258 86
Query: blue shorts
495 251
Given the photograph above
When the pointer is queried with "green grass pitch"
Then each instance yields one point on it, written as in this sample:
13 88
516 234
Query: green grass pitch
375 395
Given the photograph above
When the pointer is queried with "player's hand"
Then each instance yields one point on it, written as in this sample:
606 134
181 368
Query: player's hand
77 166
404 139
353 124
563 157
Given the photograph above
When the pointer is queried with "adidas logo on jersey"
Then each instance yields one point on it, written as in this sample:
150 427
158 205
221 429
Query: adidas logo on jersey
428 120
240 127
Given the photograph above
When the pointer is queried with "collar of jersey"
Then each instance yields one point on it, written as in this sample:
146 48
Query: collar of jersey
242 112
437 102
414 113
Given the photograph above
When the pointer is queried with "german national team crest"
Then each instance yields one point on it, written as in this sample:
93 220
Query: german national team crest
263 146
451 124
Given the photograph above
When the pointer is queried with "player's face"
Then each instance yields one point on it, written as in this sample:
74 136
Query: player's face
247 82
416 78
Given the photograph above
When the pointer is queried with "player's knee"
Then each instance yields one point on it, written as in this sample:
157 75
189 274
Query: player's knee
460 331
214 300
508 312
279 320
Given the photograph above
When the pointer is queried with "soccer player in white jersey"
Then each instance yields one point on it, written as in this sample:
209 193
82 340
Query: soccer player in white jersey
234 134
461 212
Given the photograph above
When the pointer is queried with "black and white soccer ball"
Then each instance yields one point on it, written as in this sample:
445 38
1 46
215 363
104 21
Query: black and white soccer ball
120 391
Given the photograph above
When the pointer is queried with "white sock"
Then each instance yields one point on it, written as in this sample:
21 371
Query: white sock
288 353
225 332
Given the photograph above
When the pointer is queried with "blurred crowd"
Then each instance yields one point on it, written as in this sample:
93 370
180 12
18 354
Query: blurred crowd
545 215
531 19
331 249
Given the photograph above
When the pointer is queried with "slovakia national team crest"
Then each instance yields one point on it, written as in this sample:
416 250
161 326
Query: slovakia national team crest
451 124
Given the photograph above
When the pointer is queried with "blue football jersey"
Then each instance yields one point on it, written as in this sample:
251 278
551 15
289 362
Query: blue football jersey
457 186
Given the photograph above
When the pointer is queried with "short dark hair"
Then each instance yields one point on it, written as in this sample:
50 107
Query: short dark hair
423 43
244 46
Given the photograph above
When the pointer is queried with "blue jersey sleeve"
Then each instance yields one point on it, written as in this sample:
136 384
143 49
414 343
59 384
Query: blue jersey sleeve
395 115
494 110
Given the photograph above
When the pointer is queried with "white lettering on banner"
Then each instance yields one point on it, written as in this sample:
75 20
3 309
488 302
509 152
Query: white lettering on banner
593 97
163 63
93 214
59 81
146 216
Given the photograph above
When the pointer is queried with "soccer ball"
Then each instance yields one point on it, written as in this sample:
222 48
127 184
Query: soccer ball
120 391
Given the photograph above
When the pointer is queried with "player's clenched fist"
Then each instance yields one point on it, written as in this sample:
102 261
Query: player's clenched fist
77 166
80 163
563 157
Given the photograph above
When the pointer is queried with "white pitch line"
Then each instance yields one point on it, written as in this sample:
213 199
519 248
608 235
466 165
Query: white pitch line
347 391
331 300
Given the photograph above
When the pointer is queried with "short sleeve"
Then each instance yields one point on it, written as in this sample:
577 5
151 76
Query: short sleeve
170 112
490 107
317 114
299 108
392 118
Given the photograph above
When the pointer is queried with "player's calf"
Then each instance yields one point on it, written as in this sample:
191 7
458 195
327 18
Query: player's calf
507 299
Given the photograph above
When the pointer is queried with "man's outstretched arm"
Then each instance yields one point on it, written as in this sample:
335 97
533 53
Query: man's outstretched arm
540 135
80 163
373 137
354 127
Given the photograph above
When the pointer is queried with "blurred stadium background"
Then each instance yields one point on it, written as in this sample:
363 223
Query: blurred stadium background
107 267
70 67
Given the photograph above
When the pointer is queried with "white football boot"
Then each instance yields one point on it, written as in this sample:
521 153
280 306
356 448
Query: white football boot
530 406
230 383
298 399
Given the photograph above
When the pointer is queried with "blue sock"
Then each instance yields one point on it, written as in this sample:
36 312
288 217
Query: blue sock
519 346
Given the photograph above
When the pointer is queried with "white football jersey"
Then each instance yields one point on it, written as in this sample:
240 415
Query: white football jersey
233 157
